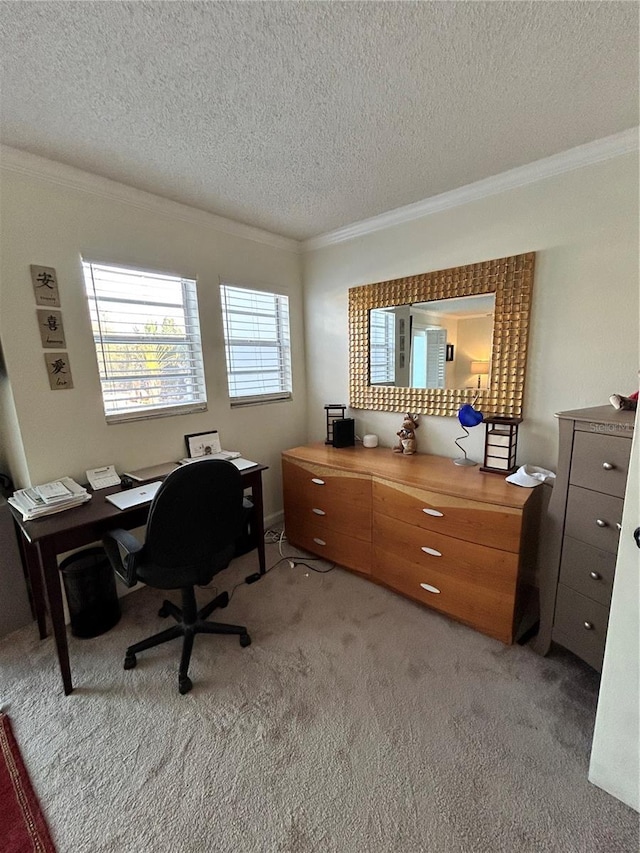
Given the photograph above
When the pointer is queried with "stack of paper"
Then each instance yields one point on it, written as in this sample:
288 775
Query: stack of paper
228 455
48 498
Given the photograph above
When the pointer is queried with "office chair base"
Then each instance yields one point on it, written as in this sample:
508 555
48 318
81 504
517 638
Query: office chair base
189 623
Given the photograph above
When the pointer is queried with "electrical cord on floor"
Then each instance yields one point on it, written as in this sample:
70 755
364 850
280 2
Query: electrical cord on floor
273 536
294 563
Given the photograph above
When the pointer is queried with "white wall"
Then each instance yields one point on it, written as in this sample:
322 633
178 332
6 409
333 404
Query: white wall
583 225
53 223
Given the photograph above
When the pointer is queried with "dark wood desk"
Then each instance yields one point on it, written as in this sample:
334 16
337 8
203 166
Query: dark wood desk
43 539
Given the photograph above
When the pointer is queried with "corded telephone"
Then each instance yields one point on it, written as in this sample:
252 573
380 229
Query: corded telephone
100 478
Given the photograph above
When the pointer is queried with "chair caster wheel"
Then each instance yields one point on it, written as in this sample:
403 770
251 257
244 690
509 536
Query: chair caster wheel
184 684
130 661
223 600
163 612
245 640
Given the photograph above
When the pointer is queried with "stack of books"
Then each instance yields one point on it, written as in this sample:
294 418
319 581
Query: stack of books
49 498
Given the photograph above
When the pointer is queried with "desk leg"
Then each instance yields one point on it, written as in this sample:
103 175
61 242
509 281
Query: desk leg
31 563
51 573
256 494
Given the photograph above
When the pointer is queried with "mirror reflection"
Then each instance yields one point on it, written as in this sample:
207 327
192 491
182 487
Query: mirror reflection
441 344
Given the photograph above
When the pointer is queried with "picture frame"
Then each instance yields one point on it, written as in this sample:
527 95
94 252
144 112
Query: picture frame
51 328
45 286
202 443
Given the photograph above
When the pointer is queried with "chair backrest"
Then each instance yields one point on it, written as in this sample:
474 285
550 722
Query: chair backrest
197 513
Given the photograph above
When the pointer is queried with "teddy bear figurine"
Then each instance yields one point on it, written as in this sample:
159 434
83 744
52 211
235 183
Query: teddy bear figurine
407 435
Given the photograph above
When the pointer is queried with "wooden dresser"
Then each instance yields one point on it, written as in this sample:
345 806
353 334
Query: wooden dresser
449 537
580 539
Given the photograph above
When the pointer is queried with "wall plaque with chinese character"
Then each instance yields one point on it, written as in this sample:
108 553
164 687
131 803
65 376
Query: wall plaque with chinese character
51 329
45 286
59 370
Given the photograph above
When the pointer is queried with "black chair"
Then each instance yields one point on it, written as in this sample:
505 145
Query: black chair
194 521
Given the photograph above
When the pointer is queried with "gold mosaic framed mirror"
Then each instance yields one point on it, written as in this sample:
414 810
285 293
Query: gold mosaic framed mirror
391 350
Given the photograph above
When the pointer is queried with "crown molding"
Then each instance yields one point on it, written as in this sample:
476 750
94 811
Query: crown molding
625 142
32 165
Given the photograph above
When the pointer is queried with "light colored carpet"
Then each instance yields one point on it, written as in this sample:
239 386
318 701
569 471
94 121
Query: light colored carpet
356 722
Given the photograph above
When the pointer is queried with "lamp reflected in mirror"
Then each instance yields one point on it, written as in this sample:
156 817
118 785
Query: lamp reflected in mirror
480 369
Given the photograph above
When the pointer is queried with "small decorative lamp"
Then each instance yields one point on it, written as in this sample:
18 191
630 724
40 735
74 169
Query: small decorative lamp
481 368
335 412
500 445
468 417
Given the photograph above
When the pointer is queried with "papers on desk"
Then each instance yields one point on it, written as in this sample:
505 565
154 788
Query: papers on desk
228 455
49 498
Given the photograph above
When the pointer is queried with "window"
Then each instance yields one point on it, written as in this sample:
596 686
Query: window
382 347
257 345
147 337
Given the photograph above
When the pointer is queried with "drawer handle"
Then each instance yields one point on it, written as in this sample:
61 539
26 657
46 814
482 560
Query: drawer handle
431 551
608 466
319 541
595 575
430 588
588 626
317 481
318 511
433 512
601 523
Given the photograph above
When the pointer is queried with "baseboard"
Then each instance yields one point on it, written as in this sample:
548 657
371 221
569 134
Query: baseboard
276 519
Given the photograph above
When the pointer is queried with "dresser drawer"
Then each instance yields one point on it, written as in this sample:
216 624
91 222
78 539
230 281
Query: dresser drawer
600 462
482 607
474 521
587 570
341 500
594 518
580 625
475 565
312 535
327 519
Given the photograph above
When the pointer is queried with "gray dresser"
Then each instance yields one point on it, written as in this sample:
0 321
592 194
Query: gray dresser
580 535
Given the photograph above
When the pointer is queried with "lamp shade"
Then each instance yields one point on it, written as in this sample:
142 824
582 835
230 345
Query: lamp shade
480 368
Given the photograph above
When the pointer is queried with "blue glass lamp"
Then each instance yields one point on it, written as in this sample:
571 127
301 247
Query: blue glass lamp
468 417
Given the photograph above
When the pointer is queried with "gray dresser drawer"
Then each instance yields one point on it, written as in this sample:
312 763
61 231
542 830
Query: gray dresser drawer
580 625
600 462
594 518
588 570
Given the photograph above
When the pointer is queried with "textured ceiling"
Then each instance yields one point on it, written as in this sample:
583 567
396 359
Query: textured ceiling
302 117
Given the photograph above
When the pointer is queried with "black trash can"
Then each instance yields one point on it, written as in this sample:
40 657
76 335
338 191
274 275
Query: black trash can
90 586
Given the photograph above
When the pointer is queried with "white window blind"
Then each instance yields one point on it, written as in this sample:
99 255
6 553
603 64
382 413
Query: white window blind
257 345
436 357
382 346
147 337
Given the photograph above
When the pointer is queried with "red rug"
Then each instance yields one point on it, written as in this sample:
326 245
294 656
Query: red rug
22 825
